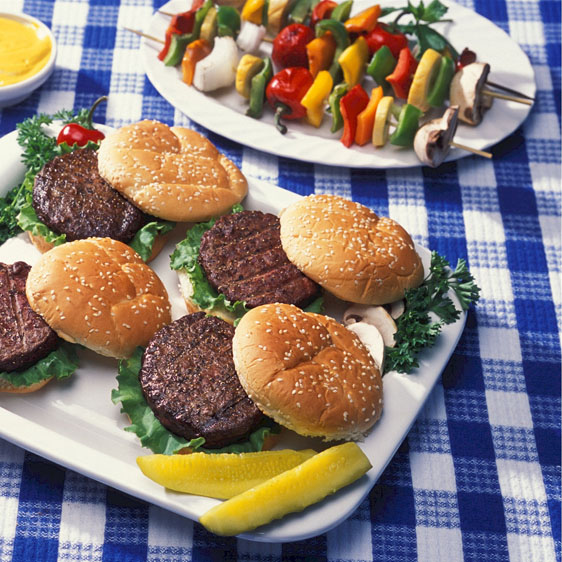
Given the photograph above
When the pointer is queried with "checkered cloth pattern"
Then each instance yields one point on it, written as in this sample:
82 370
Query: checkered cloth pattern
478 477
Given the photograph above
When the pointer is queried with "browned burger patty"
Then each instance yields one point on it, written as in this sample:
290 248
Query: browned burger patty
243 259
25 337
71 198
189 381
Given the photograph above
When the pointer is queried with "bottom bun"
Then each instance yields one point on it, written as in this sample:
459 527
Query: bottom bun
307 372
186 290
43 246
5 386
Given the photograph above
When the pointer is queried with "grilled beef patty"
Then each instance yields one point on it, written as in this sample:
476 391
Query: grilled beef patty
243 259
24 336
71 198
189 381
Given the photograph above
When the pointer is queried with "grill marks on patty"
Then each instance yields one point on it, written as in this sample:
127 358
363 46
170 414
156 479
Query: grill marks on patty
71 198
25 337
243 259
189 380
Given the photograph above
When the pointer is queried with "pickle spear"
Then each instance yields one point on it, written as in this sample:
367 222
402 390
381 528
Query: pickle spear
221 475
290 491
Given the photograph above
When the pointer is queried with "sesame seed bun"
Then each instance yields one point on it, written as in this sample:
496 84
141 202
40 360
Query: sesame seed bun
350 251
172 173
307 372
99 293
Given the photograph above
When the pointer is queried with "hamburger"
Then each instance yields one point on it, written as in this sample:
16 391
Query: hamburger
31 353
98 293
322 241
201 384
142 179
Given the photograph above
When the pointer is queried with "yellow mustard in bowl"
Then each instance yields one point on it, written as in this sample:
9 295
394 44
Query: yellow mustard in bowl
25 48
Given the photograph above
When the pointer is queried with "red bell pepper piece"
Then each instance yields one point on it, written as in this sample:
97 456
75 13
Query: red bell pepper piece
381 36
285 92
322 11
179 24
401 77
351 105
289 46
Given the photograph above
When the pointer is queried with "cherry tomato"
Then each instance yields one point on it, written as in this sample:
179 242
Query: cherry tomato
73 133
289 47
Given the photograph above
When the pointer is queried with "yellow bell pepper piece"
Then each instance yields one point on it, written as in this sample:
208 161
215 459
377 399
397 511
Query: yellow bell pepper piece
247 68
220 475
423 80
353 61
382 121
253 11
290 491
315 98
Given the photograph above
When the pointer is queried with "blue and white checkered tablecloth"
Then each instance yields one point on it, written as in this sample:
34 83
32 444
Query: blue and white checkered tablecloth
478 477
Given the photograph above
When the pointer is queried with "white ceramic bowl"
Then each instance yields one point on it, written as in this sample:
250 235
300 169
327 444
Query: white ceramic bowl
15 93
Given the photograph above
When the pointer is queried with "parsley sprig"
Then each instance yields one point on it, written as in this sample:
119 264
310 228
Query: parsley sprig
424 16
427 309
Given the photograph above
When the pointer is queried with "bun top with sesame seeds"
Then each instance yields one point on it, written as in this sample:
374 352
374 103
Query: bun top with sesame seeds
99 293
172 173
307 372
349 250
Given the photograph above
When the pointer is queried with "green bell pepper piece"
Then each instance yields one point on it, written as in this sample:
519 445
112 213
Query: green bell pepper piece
440 89
228 21
408 123
175 53
180 42
341 11
334 102
340 34
382 64
300 11
257 89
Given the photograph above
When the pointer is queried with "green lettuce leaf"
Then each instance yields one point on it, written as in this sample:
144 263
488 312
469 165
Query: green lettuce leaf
185 256
144 238
151 432
60 364
316 306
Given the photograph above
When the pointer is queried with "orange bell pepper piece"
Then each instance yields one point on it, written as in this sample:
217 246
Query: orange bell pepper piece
401 77
320 52
194 52
364 21
366 119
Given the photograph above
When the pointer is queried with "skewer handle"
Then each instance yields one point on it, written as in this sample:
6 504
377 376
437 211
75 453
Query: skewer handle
506 97
166 13
470 149
137 32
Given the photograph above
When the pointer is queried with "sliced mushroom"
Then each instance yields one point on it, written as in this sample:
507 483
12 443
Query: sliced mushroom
371 338
433 140
375 315
397 308
466 92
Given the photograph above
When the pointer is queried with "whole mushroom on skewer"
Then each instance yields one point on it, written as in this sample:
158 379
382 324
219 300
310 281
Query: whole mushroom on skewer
433 140
467 92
